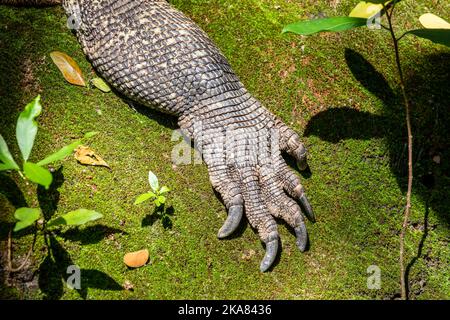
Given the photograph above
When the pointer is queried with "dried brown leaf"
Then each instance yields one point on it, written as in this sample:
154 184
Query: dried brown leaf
136 259
68 67
87 156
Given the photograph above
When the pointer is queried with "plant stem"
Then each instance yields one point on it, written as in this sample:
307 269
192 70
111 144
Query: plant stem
404 285
11 269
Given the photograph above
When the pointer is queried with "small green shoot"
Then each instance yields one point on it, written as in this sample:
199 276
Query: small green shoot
157 195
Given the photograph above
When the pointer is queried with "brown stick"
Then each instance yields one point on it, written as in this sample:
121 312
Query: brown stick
404 285
10 268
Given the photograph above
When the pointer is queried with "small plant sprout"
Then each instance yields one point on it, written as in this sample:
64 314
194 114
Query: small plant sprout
26 130
157 195
27 216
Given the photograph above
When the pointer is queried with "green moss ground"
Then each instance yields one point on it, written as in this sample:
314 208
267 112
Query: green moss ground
324 86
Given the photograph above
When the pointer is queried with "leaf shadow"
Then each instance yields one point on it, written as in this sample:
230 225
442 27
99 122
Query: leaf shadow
10 189
53 274
160 213
15 196
430 122
49 199
90 234
419 248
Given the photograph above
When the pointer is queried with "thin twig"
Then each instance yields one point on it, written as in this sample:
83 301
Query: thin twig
10 268
404 285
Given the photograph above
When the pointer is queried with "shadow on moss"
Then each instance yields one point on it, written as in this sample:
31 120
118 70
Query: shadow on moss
428 86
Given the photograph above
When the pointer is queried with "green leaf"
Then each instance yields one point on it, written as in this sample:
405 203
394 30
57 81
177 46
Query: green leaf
153 180
99 83
326 24
61 154
440 36
6 157
162 199
37 174
75 218
144 197
163 190
26 128
65 151
26 217
90 134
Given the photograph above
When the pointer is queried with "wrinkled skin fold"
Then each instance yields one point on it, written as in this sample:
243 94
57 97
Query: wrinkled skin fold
156 56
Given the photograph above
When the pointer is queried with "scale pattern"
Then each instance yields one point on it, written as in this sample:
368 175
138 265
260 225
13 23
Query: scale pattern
153 54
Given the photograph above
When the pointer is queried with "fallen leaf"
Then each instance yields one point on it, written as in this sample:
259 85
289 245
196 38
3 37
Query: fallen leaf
136 259
68 67
100 84
87 156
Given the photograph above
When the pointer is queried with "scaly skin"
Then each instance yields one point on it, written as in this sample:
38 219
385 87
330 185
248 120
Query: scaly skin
31 2
153 54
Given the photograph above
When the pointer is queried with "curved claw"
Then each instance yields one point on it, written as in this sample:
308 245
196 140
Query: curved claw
302 164
269 257
307 208
302 236
232 222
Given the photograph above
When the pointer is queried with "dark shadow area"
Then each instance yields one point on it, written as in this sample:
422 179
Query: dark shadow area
160 213
346 123
15 196
90 235
18 38
428 89
370 78
17 45
49 199
12 192
419 248
54 275
53 271
292 163
162 119
91 278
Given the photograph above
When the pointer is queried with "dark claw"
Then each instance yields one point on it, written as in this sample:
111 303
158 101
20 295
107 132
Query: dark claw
232 223
269 257
302 236
307 208
302 164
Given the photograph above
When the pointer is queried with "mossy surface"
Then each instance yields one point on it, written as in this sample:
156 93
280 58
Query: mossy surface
339 90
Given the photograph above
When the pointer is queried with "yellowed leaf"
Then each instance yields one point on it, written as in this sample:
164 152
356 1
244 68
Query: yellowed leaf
365 10
136 259
431 21
68 67
100 84
87 156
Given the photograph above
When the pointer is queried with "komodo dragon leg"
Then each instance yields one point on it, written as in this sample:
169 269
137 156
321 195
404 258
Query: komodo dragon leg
153 54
